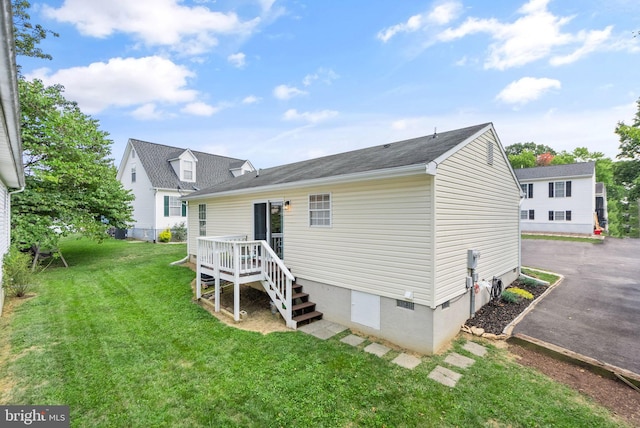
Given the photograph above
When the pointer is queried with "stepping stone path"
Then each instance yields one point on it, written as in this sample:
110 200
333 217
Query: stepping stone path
449 377
325 329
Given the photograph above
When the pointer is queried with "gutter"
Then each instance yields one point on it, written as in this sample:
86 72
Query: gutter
345 178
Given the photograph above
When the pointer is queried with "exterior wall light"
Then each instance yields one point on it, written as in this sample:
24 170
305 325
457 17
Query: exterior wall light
287 205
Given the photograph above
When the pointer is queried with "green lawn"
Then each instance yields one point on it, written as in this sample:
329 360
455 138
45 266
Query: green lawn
117 338
564 238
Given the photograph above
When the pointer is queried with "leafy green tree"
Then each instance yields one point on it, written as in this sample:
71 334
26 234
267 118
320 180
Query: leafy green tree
28 36
536 149
524 159
71 183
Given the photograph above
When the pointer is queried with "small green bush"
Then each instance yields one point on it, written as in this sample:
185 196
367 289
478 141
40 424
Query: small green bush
180 232
17 277
521 292
165 236
510 297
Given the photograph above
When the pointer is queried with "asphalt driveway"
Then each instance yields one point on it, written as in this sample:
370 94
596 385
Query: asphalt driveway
595 311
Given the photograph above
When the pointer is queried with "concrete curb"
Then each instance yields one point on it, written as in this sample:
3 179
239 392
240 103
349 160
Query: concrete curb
509 328
630 378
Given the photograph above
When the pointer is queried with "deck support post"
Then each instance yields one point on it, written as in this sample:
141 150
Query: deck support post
236 282
216 275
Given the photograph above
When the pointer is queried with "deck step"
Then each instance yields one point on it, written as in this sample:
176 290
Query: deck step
303 305
299 296
308 316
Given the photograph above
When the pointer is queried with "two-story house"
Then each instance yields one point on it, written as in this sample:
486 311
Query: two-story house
159 175
558 198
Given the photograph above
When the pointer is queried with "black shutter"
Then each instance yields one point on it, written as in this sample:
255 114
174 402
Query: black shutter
530 190
567 216
551 190
166 206
184 208
550 215
568 189
532 215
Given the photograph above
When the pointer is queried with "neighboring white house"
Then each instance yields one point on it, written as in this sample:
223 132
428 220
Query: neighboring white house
159 175
558 198
11 169
378 238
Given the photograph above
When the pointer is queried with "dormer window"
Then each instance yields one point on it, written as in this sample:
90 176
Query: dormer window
187 172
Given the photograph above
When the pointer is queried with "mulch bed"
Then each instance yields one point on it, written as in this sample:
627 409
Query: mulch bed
496 315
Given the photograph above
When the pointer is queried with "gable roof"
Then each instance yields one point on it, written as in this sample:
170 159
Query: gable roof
582 169
414 152
210 169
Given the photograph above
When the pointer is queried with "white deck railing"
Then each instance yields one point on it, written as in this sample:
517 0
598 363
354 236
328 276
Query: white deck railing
235 259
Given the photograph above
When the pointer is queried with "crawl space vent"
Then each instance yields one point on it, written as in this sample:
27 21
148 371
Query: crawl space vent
404 304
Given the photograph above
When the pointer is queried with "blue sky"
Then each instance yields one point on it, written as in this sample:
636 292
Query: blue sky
281 81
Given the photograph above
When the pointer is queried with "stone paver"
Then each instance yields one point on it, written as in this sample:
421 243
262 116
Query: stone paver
445 376
377 349
352 340
407 361
322 329
475 349
458 360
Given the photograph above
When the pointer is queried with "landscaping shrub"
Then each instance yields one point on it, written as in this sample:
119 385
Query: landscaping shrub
180 232
17 277
165 236
521 292
510 297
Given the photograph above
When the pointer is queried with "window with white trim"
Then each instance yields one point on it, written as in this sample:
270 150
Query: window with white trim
527 189
559 215
175 206
527 214
133 174
202 219
320 210
187 173
560 189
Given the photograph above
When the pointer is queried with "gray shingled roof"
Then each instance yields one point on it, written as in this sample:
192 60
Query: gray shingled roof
556 171
210 169
399 154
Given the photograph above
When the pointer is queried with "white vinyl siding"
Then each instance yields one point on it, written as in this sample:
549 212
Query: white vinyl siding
379 242
581 205
482 216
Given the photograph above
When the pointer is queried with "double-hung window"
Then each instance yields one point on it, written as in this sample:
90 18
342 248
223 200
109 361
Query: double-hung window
133 174
320 210
188 170
527 214
174 207
560 189
202 219
559 215
527 188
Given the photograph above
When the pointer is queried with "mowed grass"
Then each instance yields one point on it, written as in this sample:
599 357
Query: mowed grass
117 338
564 238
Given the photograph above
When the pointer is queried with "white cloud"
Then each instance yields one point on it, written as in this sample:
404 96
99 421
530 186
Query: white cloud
251 99
200 109
527 89
168 23
237 60
149 112
122 82
311 117
441 14
284 92
324 75
537 34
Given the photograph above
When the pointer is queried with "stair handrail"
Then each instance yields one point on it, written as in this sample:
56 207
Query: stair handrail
280 280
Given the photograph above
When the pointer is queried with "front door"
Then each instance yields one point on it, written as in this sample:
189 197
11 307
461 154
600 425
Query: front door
268 224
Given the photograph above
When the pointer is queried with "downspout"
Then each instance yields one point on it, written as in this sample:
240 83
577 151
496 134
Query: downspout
155 211
520 233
